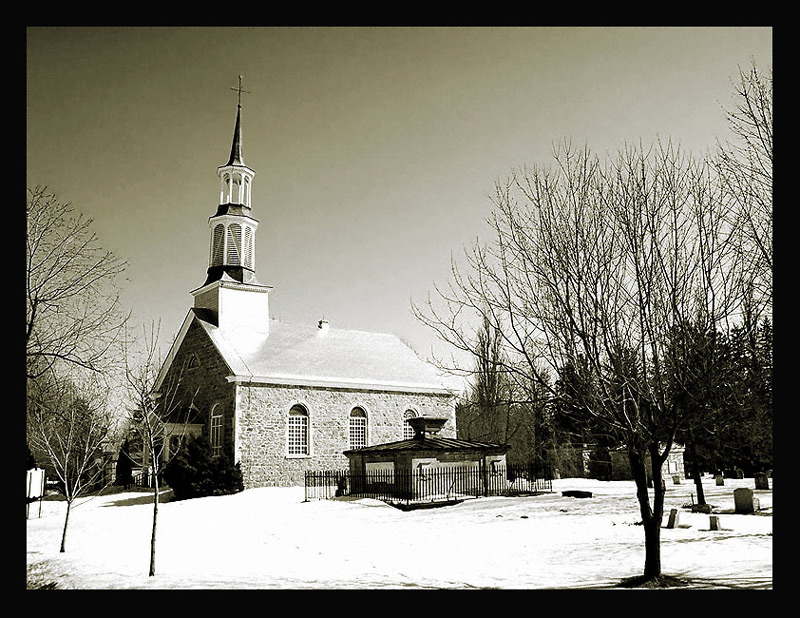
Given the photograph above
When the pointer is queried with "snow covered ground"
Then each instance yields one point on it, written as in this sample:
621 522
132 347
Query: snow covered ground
269 538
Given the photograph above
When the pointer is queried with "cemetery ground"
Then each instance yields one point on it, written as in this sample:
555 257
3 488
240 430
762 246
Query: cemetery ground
270 538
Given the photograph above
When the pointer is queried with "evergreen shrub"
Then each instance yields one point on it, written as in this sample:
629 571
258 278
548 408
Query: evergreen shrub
195 472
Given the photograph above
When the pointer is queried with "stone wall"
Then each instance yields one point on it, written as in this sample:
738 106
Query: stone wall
199 374
261 432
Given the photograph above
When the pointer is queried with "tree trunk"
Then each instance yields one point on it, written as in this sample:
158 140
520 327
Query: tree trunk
155 521
694 470
651 517
64 532
698 484
652 548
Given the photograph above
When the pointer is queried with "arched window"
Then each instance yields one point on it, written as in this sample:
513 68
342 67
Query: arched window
358 428
408 430
225 190
215 429
236 189
297 436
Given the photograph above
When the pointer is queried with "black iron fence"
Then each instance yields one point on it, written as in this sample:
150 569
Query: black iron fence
431 484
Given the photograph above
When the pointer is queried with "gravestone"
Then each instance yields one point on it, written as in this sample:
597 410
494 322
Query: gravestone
739 474
672 522
720 480
714 523
761 481
743 500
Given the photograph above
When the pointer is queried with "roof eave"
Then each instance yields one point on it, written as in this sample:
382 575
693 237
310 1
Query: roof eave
342 383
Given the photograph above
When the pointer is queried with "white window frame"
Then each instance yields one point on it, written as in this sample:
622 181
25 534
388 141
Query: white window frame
408 431
357 427
298 446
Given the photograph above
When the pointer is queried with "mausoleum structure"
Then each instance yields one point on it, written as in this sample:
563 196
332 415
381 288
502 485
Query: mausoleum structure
417 467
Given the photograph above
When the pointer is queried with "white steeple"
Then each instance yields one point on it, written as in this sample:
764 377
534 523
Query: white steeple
231 291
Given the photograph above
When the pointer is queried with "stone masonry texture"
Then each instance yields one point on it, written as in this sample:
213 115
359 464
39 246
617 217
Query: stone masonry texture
263 421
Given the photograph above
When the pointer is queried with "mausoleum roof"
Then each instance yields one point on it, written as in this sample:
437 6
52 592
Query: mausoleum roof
433 443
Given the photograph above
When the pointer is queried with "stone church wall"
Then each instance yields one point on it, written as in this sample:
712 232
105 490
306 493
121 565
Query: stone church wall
263 422
203 383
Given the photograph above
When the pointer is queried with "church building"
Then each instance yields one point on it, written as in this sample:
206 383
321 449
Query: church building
282 398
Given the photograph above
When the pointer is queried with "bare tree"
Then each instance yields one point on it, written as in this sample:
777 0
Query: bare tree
500 408
73 313
745 167
592 266
154 417
490 396
75 430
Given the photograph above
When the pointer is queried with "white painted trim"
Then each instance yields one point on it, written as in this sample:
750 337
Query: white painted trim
367 417
309 430
404 421
348 384
173 350
250 287
237 439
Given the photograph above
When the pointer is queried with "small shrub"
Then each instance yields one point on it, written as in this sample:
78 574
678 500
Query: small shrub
195 472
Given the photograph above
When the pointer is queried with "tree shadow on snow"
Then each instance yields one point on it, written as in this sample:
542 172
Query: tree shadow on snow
685 582
145 498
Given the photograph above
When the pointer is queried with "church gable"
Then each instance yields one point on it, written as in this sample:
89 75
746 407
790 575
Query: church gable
202 366
195 378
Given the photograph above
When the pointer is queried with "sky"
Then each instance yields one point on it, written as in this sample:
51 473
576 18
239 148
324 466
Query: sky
375 148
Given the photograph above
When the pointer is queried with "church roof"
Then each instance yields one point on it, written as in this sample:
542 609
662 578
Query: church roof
296 354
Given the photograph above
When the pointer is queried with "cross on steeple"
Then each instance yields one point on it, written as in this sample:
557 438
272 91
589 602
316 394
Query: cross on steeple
240 90
236 147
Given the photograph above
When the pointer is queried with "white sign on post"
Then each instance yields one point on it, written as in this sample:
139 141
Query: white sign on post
35 483
35 488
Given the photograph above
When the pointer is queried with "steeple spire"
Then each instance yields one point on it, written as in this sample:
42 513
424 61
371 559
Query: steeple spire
236 147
